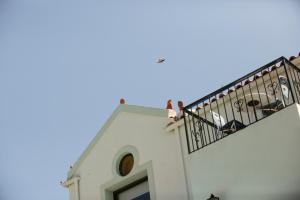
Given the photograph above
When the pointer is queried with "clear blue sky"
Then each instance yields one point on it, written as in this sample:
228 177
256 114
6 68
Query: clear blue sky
64 65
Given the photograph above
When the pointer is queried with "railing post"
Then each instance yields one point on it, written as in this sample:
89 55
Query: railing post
288 78
186 132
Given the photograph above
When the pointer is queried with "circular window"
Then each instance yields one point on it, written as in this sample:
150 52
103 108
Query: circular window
126 164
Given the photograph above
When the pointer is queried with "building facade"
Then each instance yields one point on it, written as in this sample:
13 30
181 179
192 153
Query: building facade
239 142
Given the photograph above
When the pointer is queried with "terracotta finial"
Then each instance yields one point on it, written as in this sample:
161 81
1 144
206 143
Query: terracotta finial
180 105
169 104
221 95
292 58
122 101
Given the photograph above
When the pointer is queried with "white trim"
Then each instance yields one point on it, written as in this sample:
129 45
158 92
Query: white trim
118 182
75 181
120 154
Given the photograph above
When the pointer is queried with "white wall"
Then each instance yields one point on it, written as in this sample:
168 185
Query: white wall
154 146
259 162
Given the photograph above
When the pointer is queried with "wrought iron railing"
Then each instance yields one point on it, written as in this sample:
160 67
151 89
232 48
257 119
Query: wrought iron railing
241 103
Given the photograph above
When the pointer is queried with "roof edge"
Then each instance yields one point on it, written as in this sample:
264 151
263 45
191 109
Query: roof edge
121 108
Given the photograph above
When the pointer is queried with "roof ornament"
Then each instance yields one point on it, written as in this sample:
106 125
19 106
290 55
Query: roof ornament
170 104
180 105
122 101
171 113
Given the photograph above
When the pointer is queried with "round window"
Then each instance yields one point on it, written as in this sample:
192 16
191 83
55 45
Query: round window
126 164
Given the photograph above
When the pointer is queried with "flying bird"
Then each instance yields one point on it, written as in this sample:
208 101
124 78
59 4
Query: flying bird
160 60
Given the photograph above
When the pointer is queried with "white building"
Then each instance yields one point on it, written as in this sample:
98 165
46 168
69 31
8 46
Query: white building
239 142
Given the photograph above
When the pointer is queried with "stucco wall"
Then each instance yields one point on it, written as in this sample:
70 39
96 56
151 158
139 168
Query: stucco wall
157 150
259 162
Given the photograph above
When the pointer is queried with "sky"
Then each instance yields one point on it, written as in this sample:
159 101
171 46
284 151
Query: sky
64 65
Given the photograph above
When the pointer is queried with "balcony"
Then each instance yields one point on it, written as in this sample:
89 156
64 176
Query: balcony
241 103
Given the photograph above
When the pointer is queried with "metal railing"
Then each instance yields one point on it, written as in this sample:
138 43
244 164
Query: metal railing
241 103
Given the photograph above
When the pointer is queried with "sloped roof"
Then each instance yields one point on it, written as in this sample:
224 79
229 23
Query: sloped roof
121 108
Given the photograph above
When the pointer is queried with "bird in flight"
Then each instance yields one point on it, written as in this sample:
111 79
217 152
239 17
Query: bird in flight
160 60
